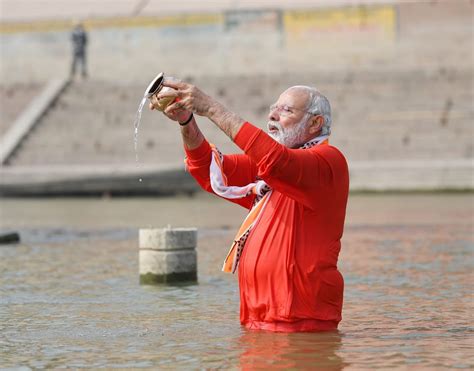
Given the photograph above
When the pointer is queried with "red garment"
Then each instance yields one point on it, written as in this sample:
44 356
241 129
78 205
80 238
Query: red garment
288 275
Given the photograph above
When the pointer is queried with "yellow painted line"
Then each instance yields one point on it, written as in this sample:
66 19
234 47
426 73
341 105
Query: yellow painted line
378 18
373 18
116 22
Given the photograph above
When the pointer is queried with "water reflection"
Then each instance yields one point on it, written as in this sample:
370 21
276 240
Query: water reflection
264 350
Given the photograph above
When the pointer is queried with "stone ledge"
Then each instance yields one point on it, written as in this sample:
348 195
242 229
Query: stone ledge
415 175
94 181
377 176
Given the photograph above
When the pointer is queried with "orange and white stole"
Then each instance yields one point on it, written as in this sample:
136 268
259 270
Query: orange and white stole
262 193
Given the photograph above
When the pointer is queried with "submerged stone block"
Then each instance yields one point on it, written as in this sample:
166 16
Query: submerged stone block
167 255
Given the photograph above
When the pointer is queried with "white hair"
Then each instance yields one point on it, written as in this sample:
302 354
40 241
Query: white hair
318 104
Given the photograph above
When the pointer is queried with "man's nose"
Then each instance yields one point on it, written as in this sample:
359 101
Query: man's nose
273 115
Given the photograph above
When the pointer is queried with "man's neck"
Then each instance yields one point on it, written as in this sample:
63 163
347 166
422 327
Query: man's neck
308 139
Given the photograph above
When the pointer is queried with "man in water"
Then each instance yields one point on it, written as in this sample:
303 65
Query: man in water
79 43
295 185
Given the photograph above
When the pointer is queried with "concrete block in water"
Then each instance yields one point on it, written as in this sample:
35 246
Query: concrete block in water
167 255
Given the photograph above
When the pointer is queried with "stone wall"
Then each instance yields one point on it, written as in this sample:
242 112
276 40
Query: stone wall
413 36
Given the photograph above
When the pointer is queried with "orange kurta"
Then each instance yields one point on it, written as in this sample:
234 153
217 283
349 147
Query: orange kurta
288 275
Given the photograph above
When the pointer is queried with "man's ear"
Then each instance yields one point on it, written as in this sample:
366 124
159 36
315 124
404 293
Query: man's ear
316 124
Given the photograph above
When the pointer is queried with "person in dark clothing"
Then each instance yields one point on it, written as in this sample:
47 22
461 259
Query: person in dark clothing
79 43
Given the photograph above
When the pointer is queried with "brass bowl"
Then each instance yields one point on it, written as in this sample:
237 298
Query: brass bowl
155 87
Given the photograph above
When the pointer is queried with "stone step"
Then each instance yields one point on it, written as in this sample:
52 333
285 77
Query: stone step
386 116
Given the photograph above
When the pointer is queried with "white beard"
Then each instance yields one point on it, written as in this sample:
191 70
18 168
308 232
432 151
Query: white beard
292 137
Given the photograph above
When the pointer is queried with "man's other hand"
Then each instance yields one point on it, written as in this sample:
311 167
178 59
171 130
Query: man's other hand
189 96
178 114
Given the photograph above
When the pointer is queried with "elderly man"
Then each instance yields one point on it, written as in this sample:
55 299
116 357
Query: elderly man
295 185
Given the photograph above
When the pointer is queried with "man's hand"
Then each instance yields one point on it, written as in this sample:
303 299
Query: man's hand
190 98
178 114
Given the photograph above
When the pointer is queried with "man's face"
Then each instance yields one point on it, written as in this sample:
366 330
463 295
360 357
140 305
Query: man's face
288 117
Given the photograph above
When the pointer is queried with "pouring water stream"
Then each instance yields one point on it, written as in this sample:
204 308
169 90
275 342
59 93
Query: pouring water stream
136 125
154 87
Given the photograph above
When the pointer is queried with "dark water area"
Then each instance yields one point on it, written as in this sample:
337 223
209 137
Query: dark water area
70 297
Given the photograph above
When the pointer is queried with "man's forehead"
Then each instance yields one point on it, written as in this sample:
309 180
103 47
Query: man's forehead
294 96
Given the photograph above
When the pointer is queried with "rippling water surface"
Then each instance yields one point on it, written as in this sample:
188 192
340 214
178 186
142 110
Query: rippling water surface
69 293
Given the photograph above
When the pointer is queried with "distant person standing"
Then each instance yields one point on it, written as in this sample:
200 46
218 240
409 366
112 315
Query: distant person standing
79 43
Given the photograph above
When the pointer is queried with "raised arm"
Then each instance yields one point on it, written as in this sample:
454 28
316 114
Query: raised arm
194 100
190 133
239 169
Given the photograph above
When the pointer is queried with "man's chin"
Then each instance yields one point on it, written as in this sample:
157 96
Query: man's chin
275 137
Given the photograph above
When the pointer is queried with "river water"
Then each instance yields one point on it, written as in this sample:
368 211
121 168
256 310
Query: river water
69 292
